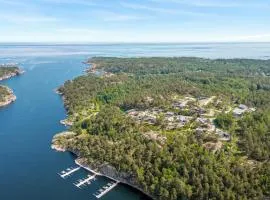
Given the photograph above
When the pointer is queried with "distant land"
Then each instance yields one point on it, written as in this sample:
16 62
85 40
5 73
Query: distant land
173 127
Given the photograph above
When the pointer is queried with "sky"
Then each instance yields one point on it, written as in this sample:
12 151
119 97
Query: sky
115 21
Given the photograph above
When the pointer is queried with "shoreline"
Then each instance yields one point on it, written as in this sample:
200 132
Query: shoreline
87 168
80 161
91 67
10 98
12 74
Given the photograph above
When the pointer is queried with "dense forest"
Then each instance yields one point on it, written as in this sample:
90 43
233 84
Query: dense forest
176 163
3 93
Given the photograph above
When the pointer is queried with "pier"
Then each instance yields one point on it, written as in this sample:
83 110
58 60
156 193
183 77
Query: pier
102 191
84 181
105 189
68 172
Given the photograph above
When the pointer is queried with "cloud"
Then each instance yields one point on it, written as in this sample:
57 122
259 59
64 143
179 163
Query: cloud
21 18
217 3
162 10
80 2
112 16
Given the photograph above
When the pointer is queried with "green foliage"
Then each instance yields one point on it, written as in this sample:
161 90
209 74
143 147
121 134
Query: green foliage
179 168
5 70
3 93
225 121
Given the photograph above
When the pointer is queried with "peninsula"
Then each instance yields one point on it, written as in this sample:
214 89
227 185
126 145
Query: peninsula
6 94
174 128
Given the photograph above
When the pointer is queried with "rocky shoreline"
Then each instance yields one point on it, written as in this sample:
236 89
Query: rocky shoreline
105 170
11 74
9 98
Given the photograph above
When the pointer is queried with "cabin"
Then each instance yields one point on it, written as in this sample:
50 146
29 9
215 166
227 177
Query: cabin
240 110
243 107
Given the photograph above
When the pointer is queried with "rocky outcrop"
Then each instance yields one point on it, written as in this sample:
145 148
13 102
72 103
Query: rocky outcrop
59 141
66 122
59 144
11 74
111 172
8 98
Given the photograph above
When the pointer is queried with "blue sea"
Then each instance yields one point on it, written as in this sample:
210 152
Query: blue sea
28 166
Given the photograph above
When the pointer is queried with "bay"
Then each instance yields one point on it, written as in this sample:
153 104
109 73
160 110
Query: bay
28 166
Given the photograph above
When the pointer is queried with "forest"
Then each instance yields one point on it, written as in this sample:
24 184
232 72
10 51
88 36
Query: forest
5 72
175 163
3 93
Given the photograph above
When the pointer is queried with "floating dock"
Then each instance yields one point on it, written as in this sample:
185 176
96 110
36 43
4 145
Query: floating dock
68 172
84 181
105 189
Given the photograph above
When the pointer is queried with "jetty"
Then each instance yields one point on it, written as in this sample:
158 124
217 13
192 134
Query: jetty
68 172
84 181
105 189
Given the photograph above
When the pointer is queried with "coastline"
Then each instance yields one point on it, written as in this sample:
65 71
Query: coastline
86 167
8 99
12 74
92 67
103 170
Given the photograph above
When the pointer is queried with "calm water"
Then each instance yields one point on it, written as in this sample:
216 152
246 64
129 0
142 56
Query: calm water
28 167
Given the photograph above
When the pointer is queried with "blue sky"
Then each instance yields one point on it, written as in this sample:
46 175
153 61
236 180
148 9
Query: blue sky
134 20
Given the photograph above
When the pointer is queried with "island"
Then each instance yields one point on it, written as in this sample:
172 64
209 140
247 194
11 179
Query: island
6 94
174 128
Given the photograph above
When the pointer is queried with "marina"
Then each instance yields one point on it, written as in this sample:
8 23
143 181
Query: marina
68 172
105 189
82 182
47 67
87 181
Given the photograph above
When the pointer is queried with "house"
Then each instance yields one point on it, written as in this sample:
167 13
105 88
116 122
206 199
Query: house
238 112
243 107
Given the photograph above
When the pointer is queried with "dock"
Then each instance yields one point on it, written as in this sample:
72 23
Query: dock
105 189
68 172
84 181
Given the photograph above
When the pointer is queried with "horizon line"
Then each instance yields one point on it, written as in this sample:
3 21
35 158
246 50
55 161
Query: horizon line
118 42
